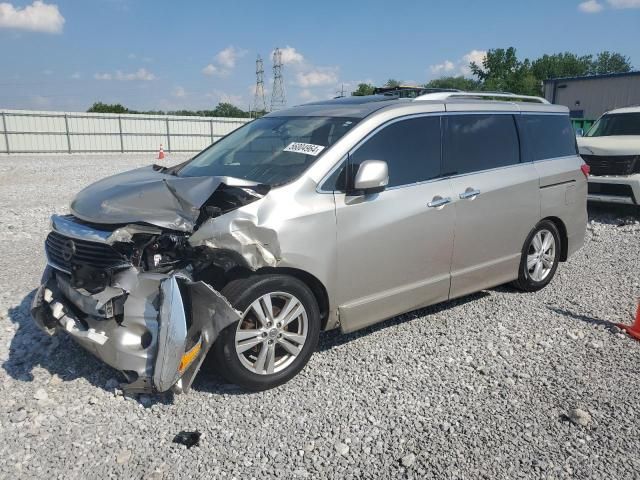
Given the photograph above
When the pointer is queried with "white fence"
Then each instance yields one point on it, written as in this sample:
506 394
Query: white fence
25 131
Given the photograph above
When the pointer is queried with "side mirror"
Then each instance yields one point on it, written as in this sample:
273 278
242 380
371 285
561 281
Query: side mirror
579 132
372 177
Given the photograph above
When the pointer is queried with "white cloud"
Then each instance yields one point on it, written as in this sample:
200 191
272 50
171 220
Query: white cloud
37 17
76 76
307 95
459 67
475 56
38 101
236 100
290 56
132 56
306 75
227 57
317 77
594 6
225 61
103 76
445 67
179 92
590 6
624 3
48 72
211 70
223 97
141 74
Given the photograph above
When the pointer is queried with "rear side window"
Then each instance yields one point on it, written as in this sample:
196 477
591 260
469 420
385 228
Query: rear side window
480 142
410 147
547 136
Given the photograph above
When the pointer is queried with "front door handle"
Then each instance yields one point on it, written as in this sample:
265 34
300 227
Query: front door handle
469 193
438 202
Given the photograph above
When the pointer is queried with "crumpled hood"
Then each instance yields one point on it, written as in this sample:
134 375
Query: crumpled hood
610 146
148 195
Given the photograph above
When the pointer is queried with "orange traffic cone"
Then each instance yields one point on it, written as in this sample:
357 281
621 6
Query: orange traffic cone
633 330
161 153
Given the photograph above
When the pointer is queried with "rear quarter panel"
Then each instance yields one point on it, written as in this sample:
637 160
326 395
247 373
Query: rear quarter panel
563 194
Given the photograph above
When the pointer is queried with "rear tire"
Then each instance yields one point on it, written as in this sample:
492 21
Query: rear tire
267 346
540 257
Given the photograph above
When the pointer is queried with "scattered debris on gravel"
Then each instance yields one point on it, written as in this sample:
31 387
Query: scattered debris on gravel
580 417
498 384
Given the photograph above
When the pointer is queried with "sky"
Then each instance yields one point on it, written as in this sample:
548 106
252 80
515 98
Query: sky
169 55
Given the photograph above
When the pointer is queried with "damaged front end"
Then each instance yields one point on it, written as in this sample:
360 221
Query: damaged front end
141 295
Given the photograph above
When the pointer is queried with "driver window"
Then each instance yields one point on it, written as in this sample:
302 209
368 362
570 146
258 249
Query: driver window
410 147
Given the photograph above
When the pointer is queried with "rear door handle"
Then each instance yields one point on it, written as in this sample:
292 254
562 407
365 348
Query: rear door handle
469 193
438 202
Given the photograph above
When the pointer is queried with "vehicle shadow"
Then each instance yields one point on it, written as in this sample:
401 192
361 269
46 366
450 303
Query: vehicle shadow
211 381
335 338
31 350
612 214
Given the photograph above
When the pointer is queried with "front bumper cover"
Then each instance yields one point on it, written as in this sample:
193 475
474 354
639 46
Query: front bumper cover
155 328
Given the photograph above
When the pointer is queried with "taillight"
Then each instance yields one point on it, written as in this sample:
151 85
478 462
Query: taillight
586 169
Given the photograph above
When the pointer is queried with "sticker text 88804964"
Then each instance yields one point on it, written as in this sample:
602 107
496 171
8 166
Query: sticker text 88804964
304 148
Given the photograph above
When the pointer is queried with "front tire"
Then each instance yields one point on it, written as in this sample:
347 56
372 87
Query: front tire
540 257
275 337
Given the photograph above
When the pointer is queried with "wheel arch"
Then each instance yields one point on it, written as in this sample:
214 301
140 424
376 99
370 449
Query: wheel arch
564 239
316 286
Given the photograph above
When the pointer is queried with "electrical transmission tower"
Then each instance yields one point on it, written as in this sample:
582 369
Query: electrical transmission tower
259 103
278 99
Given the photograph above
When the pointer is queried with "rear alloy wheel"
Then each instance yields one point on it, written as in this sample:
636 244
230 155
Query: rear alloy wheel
276 335
540 257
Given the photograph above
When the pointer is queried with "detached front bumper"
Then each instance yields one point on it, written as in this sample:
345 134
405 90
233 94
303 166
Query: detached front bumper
155 328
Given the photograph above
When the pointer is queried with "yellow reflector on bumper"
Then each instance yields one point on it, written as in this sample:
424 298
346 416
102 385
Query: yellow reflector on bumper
190 356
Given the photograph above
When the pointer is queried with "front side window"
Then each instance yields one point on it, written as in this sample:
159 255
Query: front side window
411 148
269 150
616 124
480 142
547 136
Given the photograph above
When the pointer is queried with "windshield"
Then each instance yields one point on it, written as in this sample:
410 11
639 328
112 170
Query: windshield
269 150
616 124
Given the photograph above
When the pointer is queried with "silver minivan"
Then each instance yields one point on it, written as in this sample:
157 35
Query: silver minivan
340 213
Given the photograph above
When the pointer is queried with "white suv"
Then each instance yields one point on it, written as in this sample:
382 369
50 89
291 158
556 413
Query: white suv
612 149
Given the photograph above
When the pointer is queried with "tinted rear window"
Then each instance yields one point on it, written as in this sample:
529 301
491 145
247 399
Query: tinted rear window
547 136
480 142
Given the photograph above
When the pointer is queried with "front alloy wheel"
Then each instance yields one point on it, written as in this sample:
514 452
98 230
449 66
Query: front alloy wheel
276 335
271 333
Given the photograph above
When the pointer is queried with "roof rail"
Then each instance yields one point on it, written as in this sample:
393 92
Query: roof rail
481 95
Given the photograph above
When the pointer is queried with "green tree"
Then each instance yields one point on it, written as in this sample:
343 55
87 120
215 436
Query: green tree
363 89
392 82
561 65
228 110
99 107
611 62
459 83
501 71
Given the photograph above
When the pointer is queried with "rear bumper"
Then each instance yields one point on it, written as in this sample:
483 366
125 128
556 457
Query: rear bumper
154 328
615 189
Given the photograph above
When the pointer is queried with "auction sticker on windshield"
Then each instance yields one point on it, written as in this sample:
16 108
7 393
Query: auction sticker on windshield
304 148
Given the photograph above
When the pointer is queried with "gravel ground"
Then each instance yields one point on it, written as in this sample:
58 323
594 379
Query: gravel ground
495 385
